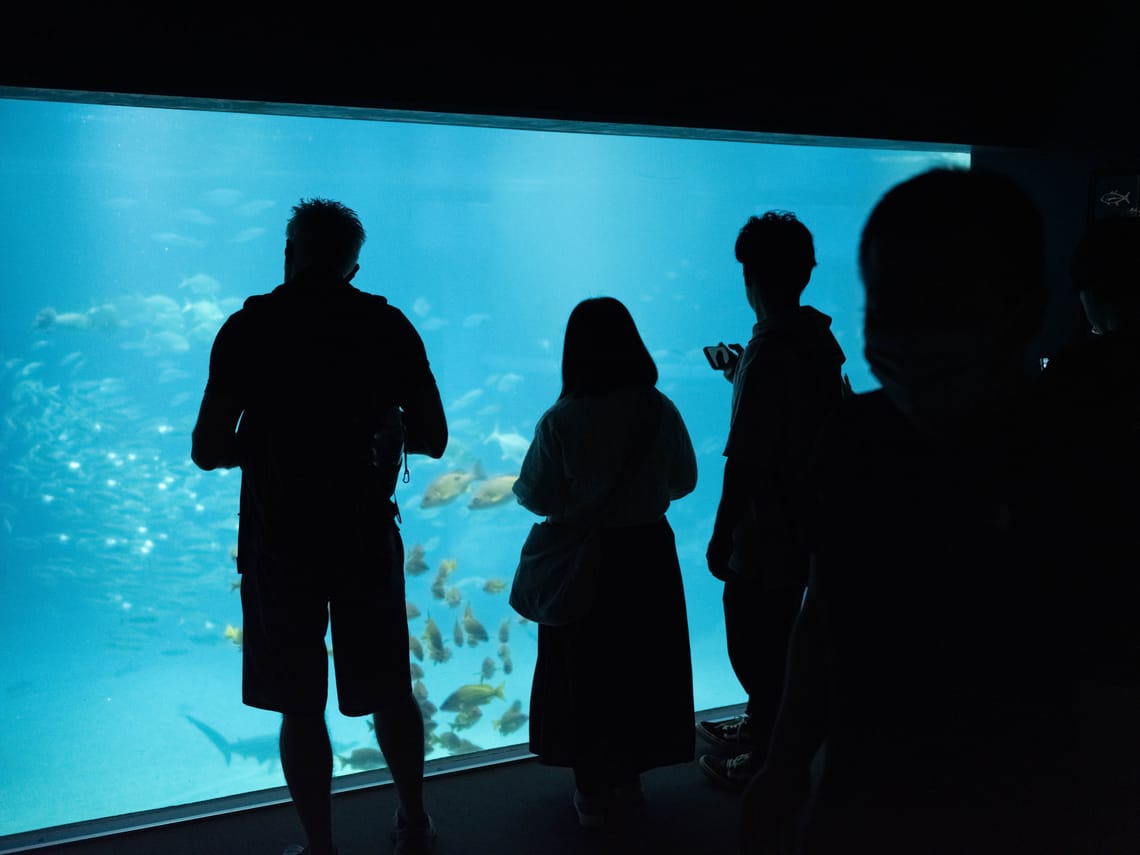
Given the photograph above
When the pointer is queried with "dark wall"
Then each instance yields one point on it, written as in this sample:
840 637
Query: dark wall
995 74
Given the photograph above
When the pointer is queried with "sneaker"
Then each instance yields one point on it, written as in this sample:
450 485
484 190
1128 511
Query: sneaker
729 733
413 839
591 809
732 773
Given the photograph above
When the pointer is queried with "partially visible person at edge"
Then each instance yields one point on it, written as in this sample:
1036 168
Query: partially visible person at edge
784 385
1093 391
575 471
931 658
317 390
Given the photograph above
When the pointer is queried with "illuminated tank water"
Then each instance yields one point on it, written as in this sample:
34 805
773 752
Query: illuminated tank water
129 234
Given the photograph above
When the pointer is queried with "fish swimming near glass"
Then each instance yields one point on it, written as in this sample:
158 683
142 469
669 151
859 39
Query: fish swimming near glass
512 446
473 694
263 749
494 492
512 719
467 718
476 632
415 565
446 487
362 759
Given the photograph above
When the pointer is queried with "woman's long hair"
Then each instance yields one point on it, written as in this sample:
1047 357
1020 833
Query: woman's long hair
603 350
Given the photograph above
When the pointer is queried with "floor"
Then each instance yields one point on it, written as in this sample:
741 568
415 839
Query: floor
516 807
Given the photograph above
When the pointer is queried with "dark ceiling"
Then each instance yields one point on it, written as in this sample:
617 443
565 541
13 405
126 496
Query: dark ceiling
1003 74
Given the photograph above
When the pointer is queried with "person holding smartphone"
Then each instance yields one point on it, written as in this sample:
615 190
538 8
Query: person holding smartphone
784 384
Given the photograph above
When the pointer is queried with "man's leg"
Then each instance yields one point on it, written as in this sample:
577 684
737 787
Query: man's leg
400 734
740 627
306 760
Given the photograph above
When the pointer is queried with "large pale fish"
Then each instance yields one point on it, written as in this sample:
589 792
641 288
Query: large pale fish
494 492
512 446
444 488
473 694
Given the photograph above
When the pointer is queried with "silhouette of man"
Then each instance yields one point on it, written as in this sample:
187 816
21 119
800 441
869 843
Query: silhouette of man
930 658
784 384
1093 391
316 390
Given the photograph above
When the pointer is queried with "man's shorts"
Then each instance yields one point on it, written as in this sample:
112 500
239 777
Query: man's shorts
287 605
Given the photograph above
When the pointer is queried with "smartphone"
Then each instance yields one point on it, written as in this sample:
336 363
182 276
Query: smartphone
720 356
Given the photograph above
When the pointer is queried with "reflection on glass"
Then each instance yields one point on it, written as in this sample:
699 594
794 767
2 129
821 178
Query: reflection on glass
130 233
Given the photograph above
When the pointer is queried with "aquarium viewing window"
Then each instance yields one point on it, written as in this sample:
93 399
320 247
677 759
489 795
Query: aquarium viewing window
132 229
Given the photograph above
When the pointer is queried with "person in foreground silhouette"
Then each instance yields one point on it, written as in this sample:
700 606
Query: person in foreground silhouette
631 650
317 390
930 657
784 384
1093 391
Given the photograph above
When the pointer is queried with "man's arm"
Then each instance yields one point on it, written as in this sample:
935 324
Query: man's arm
425 424
214 441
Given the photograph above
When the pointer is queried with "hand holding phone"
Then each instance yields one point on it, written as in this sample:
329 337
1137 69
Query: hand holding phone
723 357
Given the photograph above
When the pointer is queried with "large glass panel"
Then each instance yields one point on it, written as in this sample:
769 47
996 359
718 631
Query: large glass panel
129 233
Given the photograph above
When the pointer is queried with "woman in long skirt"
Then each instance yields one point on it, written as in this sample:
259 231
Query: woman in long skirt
613 451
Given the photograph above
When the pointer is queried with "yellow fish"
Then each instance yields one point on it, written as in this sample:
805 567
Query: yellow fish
457 634
432 635
474 629
494 586
512 719
415 565
505 630
415 646
234 634
488 669
444 488
494 492
473 694
362 758
411 609
466 718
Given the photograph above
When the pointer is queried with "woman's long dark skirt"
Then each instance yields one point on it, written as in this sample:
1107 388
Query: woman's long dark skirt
614 692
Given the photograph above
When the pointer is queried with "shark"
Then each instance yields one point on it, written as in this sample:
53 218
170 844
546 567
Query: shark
263 749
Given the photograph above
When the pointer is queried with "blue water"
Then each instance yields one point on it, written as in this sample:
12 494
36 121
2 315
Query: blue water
129 234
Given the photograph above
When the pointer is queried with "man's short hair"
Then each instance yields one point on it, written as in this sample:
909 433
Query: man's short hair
324 233
777 252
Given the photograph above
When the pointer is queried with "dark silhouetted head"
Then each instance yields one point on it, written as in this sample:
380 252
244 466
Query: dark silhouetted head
322 235
950 248
1105 269
953 265
778 256
603 350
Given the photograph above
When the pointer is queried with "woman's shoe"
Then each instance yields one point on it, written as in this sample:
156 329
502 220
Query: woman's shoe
591 809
